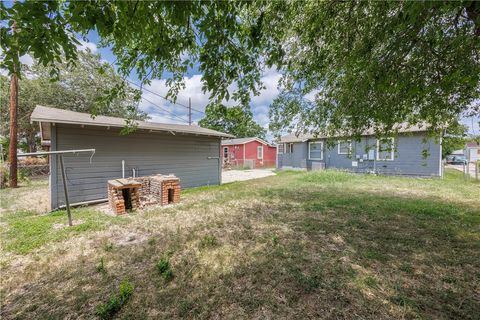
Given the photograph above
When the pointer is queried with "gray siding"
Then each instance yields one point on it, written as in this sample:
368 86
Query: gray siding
147 153
408 160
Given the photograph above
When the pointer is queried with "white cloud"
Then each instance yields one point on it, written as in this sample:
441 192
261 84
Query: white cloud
193 90
84 45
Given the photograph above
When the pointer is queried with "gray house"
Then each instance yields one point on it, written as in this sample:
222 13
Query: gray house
189 152
410 152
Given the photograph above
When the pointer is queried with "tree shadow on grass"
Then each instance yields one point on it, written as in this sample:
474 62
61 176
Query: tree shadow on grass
295 254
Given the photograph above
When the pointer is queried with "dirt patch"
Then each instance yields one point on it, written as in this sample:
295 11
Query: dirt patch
242 175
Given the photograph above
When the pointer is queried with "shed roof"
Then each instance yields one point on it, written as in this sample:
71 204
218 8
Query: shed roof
53 115
472 145
401 128
242 141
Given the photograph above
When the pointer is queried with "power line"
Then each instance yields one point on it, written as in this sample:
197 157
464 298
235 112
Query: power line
163 97
165 110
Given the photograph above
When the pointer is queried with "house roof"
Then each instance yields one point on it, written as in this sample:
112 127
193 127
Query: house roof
243 141
401 128
53 115
472 145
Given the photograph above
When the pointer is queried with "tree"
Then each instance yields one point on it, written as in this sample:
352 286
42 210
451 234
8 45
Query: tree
353 65
233 120
81 88
365 63
454 139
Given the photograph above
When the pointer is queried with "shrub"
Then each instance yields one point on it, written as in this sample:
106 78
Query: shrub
109 309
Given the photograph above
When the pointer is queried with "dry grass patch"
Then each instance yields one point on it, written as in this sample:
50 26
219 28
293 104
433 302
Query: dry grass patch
296 245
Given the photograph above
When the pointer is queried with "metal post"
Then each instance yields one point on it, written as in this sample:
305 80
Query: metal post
67 202
464 172
190 111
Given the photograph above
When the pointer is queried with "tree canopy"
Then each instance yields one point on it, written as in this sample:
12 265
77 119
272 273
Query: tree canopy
346 66
81 88
234 120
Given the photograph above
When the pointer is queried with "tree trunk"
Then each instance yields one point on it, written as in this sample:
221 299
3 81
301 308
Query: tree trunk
12 154
31 141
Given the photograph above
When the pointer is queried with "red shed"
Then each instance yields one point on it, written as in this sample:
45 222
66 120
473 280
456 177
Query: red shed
252 152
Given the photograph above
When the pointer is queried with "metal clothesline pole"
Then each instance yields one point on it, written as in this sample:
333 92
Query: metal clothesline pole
62 167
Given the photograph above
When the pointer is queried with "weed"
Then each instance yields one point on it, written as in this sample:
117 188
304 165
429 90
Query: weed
208 241
108 247
163 267
109 309
371 282
274 239
101 266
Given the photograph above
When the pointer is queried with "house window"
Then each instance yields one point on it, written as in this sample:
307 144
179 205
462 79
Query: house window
315 150
344 147
225 152
288 147
280 148
260 152
385 149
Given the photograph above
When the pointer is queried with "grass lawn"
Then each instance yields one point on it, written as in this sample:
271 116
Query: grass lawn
296 245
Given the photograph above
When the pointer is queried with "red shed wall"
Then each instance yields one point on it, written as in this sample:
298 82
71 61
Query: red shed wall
237 156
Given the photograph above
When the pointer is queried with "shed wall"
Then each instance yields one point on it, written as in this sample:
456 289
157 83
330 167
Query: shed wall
146 153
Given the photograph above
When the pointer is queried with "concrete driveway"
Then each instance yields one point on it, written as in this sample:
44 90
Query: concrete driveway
242 175
460 168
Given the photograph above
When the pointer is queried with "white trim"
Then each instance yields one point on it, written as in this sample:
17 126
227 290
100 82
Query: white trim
278 149
349 146
258 149
321 150
392 152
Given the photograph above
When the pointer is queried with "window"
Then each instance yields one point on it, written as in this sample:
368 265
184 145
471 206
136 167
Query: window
260 152
280 148
288 148
344 147
315 150
385 149
225 152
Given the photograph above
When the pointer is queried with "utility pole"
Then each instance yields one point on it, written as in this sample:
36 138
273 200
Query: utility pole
190 111
12 150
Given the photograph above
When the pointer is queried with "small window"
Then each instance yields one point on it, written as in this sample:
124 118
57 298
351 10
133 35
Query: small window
225 152
290 147
315 150
260 152
386 149
344 147
280 148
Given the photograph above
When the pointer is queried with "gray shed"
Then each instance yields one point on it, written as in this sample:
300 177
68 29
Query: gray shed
188 151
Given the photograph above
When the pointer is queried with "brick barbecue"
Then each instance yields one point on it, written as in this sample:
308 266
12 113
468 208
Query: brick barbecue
135 193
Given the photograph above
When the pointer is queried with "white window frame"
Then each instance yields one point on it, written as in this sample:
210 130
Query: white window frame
321 150
225 148
290 147
349 146
278 148
392 152
260 154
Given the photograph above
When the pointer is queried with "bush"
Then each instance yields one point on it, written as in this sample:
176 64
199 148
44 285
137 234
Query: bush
115 303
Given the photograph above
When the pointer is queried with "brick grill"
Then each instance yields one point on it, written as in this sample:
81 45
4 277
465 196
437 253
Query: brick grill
142 191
